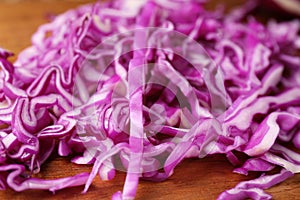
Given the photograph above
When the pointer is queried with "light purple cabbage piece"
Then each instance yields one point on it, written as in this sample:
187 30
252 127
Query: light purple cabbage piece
107 117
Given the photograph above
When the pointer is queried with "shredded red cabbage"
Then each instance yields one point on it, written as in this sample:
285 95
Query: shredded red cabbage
140 85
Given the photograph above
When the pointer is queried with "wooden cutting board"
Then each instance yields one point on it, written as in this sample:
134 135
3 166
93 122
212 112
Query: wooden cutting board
201 179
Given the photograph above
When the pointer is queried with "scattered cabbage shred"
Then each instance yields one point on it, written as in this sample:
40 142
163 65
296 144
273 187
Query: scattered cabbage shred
107 116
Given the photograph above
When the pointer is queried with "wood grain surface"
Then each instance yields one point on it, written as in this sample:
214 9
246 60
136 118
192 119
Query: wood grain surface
193 179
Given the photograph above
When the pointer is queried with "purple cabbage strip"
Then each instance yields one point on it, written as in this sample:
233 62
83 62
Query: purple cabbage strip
254 188
141 85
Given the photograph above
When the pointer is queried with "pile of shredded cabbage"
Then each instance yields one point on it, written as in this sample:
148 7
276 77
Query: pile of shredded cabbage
83 89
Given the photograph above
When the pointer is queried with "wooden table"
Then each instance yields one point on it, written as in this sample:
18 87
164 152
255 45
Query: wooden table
193 179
